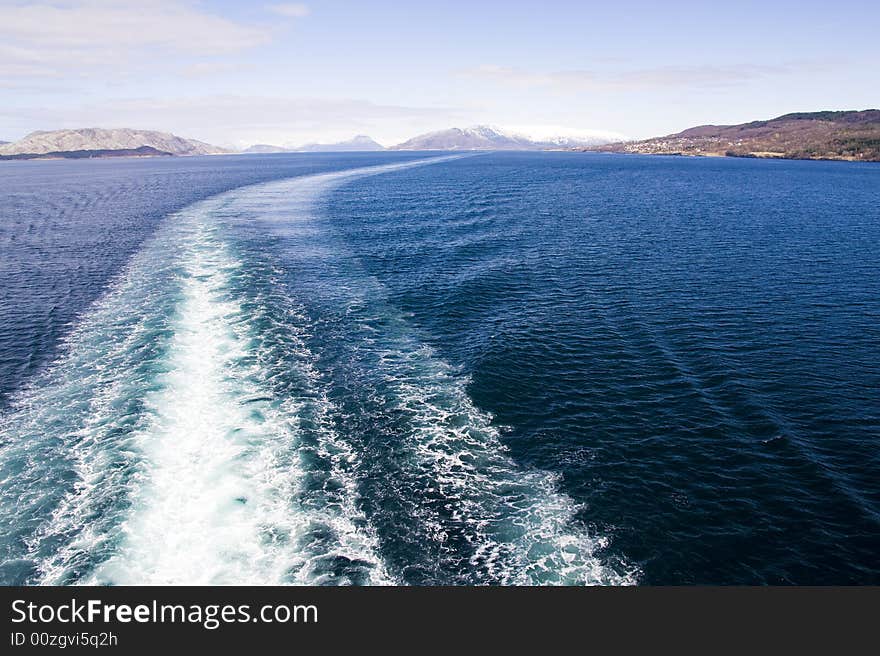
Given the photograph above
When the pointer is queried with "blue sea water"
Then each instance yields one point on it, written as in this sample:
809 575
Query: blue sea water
414 368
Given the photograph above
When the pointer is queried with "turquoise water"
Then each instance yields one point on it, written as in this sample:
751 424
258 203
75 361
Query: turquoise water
517 368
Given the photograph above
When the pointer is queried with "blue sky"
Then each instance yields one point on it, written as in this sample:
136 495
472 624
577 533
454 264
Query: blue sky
236 73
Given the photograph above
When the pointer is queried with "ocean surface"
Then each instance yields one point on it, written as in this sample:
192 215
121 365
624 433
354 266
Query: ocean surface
415 368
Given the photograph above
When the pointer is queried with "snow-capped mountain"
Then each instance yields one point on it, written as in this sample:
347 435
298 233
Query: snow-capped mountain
487 137
478 137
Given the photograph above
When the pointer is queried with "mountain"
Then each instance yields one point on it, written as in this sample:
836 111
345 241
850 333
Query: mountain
359 143
485 137
97 139
263 149
478 137
844 135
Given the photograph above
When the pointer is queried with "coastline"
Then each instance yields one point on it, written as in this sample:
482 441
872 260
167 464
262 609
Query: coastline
756 155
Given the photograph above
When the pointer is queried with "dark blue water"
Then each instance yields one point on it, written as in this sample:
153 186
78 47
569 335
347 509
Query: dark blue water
386 368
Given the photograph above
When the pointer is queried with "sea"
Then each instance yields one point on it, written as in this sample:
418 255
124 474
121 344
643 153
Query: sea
439 369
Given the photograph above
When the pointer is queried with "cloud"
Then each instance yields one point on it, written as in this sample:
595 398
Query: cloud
290 9
203 69
657 77
43 39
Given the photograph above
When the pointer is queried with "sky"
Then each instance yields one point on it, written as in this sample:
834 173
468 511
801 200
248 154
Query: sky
237 73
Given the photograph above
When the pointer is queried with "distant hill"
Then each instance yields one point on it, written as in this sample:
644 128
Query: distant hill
359 143
485 137
66 143
844 135
264 149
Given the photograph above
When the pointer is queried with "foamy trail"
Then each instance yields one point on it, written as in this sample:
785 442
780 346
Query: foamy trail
217 499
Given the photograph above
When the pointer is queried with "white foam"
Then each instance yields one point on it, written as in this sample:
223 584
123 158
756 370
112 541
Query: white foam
74 419
216 501
522 528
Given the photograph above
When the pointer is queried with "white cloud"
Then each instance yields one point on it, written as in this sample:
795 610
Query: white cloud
204 69
290 9
42 39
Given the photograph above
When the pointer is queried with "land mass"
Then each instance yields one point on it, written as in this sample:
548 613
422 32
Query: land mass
843 135
97 142
142 151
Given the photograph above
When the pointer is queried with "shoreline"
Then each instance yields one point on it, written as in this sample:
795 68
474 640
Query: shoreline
736 156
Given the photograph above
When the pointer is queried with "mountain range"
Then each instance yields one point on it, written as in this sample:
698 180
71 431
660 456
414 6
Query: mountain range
485 137
844 135
264 149
97 142
840 135
359 143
